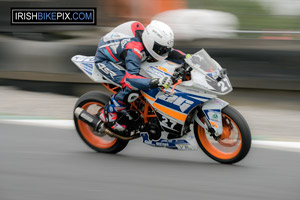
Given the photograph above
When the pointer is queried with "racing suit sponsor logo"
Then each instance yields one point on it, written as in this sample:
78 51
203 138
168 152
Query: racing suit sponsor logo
106 70
138 53
124 42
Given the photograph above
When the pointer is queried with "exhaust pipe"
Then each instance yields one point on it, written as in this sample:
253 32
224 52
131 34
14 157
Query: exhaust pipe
112 134
87 118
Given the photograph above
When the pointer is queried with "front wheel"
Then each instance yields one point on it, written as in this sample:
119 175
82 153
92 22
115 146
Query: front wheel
93 103
234 143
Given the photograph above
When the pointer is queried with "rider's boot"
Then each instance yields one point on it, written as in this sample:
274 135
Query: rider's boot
109 114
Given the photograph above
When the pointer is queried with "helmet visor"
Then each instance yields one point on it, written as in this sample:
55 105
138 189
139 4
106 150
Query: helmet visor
160 49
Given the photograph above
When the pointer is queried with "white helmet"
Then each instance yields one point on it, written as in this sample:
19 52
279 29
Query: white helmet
158 38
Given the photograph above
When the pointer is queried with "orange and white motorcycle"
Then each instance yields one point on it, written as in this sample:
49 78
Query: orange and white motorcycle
185 117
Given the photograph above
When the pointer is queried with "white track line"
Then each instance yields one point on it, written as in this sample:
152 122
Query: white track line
65 124
283 145
69 124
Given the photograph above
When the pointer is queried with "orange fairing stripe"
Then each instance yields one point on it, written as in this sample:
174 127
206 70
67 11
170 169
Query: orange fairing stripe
147 96
172 113
164 70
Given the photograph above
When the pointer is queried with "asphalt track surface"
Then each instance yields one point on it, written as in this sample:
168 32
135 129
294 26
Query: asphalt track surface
52 163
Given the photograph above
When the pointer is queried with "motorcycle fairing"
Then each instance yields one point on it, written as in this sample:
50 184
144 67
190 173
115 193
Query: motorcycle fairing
168 124
172 110
178 103
208 74
213 111
187 142
158 69
87 65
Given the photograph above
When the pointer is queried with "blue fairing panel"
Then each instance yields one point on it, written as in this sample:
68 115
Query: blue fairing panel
180 101
172 144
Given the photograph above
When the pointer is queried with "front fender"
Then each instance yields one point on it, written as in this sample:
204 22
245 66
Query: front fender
213 111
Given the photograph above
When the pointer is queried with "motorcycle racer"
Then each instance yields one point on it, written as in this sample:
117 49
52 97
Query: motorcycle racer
120 54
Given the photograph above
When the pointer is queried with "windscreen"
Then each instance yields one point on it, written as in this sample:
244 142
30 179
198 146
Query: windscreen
215 76
202 60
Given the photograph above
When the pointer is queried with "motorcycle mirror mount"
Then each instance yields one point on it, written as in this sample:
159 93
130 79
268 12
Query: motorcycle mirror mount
223 73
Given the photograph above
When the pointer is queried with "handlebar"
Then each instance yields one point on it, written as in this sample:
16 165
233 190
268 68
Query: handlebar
173 88
181 73
178 82
178 77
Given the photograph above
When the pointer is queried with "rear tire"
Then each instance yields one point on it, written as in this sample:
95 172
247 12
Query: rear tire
94 102
234 143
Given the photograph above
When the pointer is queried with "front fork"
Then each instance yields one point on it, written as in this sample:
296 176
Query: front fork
211 112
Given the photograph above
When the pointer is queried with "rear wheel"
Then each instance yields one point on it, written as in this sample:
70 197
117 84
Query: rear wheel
94 102
234 143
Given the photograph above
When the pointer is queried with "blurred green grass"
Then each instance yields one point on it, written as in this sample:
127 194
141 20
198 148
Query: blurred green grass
251 14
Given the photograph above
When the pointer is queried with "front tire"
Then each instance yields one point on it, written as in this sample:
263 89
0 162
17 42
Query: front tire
94 102
234 143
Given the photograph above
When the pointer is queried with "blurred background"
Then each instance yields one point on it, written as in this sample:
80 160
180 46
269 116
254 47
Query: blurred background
258 41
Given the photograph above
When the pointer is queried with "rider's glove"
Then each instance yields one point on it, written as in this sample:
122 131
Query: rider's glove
161 82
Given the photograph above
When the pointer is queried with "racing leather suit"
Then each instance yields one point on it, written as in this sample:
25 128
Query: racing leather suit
120 54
